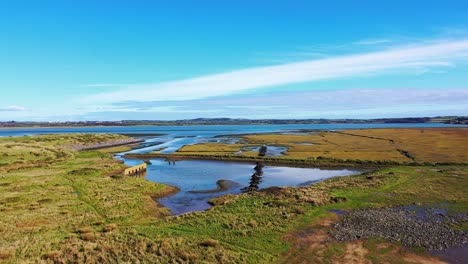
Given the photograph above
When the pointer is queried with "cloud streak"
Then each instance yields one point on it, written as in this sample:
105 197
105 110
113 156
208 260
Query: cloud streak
409 59
13 108
315 100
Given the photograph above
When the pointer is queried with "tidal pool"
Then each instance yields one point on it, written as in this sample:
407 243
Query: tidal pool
198 179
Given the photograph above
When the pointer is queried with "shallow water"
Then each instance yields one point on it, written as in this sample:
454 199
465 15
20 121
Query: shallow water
337 211
208 130
272 151
201 175
454 255
174 137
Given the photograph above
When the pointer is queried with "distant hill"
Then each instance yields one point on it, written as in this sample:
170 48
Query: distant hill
240 121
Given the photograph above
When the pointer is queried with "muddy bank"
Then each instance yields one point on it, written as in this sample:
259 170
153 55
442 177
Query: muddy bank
431 228
168 191
108 144
309 163
223 185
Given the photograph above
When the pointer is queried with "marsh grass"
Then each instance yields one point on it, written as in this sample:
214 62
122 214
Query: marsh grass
367 146
64 191
70 210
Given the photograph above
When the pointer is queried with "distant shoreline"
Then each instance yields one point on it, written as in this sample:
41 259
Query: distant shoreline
455 120
161 134
255 124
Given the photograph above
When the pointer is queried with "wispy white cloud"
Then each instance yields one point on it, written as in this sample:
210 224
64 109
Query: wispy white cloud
13 108
350 103
344 103
322 100
408 59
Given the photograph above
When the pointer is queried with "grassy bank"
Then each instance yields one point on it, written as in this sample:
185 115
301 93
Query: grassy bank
48 191
74 207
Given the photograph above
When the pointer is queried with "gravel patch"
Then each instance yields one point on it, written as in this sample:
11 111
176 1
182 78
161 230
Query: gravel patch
427 228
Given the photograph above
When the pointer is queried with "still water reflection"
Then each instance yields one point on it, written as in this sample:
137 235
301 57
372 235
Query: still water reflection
201 180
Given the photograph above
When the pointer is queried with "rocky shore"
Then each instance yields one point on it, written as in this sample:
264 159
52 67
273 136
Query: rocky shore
430 228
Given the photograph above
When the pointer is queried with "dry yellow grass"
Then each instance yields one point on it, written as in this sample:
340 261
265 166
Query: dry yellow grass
427 145
211 148
57 192
332 145
115 149
396 145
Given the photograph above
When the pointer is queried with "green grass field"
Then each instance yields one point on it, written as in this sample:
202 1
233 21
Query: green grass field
66 206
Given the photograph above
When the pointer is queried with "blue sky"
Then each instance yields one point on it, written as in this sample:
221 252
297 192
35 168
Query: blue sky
114 60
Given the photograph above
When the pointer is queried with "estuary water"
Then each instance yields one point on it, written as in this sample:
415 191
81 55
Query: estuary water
173 137
207 129
197 179
201 180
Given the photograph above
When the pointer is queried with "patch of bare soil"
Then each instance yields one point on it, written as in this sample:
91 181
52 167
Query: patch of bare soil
355 254
313 244
309 244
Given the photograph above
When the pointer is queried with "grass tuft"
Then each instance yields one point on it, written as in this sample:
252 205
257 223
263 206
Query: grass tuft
110 227
6 253
209 243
